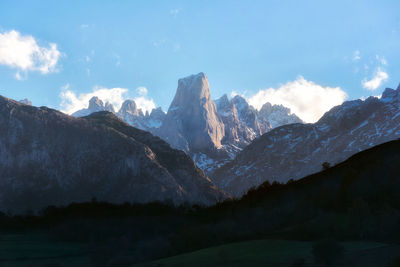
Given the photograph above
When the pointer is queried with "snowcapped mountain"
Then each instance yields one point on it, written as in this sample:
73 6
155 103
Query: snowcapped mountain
128 112
214 132
49 158
295 150
211 132
275 116
95 105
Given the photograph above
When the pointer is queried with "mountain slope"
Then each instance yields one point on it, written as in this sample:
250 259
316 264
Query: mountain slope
295 150
49 158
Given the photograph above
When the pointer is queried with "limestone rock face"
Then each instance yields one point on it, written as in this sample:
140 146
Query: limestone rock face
248 115
129 112
275 116
49 158
192 122
95 105
155 119
241 127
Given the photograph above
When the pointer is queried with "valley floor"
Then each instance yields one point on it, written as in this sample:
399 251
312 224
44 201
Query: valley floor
36 249
281 253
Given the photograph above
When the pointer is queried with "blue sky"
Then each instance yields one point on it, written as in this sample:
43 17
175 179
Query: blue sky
244 47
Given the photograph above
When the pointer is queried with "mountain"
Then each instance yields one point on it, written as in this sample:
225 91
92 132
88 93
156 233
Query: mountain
212 133
49 158
129 112
192 122
243 123
240 120
95 105
275 116
295 150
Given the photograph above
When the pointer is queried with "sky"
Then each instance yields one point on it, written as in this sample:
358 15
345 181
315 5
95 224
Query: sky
306 55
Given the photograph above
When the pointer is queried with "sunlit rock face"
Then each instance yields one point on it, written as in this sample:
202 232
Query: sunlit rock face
192 122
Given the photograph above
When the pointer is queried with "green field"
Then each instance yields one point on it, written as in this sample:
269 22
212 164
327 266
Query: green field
280 253
36 249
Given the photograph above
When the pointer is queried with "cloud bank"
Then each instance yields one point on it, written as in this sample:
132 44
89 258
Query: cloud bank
23 53
306 99
71 102
377 80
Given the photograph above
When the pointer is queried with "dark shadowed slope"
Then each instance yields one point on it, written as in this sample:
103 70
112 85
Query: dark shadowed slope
296 150
49 158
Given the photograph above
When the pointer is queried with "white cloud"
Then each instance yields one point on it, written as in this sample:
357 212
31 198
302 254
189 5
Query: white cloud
71 102
141 90
23 53
379 77
144 103
356 55
306 99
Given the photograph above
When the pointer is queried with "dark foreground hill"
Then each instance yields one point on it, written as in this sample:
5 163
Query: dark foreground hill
358 199
49 158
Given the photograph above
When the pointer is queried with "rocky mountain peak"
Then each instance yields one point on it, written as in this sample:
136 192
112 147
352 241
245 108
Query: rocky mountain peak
248 115
222 102
194 86
157 113
275 116
266 108
192 117
129 107
390 95
241 103
109 107
95 104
